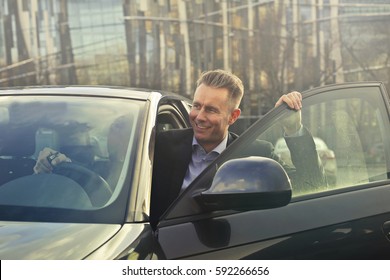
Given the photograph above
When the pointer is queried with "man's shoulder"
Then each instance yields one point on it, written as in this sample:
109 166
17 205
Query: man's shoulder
173 134
231 137
179 131
173 142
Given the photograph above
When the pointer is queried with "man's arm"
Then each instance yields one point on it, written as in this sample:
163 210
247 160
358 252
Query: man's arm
307 172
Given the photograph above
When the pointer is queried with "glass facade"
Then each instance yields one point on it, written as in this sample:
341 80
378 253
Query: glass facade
274 46
98 40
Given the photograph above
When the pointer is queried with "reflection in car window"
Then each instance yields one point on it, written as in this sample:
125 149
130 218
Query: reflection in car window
327 156
349 131
98 136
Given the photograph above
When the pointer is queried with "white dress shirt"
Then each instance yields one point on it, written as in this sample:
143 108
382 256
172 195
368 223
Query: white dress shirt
200 160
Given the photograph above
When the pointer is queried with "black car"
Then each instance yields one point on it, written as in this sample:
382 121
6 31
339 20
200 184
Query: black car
95 207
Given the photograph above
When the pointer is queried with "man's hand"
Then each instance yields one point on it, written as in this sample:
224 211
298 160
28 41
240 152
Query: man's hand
47 159
293 122
292 99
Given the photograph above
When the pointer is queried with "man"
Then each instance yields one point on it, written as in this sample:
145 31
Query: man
117 141
181 155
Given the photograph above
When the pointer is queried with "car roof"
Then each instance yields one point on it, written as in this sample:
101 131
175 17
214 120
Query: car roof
100 91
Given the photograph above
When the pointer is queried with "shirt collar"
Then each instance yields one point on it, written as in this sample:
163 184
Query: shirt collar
219 149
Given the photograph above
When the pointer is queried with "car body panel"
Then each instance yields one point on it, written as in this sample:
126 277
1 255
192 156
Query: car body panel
29 240
323 214
341 242
133 241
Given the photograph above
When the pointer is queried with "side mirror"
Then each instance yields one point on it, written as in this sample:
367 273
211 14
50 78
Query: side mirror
251 183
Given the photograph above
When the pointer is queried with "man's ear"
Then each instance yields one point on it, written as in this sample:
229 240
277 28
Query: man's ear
234 116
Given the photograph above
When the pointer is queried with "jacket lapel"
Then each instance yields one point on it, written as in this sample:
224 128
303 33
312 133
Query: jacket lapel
231 137
183 154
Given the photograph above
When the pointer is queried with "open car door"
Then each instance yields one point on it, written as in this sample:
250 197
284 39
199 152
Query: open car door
247 207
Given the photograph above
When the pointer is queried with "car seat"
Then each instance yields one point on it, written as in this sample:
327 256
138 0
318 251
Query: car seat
45 138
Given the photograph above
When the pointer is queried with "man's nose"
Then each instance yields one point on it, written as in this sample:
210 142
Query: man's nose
201 114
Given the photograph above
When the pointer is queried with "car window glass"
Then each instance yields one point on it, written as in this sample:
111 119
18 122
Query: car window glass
349 127
98 137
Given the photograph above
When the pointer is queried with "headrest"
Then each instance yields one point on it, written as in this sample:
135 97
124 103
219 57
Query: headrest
45 138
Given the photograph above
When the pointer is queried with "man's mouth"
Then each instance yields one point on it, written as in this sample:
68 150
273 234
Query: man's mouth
200 126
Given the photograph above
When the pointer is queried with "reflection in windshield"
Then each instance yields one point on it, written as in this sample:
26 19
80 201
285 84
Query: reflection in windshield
97 135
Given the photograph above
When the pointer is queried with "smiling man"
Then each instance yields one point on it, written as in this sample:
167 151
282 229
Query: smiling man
213 111
181 155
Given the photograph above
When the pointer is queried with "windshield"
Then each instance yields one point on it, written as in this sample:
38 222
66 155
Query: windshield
94 137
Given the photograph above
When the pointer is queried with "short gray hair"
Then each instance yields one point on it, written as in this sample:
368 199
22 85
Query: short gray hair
223 79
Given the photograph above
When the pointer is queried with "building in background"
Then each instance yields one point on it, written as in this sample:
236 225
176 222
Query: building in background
274 46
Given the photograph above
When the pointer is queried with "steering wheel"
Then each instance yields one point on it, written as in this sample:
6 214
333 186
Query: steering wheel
98 190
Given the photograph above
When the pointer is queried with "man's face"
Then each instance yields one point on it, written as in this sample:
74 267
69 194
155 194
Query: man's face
211 115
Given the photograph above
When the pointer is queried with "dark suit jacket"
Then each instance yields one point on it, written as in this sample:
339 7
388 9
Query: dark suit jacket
173 153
